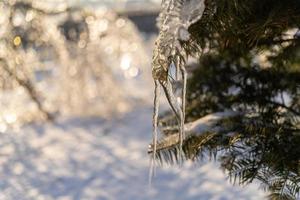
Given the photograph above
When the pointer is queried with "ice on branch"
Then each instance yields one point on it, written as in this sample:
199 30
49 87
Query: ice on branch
174 20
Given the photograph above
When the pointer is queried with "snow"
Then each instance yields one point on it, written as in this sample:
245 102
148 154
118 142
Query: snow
95 159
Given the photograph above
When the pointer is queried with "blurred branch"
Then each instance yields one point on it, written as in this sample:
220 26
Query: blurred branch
29 6
278 41
28 86
284 106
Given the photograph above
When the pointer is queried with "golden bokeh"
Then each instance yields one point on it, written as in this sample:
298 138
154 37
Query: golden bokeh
17 41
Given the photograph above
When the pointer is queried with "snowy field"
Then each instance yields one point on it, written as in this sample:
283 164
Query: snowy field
95 159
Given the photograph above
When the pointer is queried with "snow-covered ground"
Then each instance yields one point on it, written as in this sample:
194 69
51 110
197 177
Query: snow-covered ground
95 159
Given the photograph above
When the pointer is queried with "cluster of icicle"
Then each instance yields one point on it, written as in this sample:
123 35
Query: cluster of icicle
174 20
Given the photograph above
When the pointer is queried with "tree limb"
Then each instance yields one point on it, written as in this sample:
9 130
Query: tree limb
198 127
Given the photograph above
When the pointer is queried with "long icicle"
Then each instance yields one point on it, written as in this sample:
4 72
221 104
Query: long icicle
182 71
168 90
183 98
155 129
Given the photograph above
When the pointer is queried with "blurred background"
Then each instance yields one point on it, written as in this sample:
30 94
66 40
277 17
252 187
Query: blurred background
76 106
73 57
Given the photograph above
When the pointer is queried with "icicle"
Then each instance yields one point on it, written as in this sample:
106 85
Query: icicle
155 129
168 89
183 97
177 64
174 20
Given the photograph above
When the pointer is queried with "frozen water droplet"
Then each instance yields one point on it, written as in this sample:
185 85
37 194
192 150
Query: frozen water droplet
183 34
